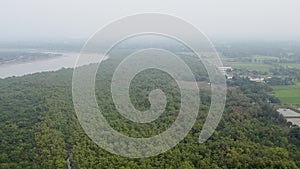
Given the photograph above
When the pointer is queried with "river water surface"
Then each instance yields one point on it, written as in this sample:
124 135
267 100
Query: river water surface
68 60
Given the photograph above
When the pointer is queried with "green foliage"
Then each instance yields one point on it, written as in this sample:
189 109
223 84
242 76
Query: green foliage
39 128
288 94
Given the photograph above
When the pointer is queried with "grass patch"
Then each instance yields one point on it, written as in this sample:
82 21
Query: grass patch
251 66
288 94
263 58
290 65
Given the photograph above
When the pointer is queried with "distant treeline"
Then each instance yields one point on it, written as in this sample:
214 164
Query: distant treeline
244 50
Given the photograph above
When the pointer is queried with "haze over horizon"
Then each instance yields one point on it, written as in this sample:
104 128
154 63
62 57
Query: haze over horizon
33 19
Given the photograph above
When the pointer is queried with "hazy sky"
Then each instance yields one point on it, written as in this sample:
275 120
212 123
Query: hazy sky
25 19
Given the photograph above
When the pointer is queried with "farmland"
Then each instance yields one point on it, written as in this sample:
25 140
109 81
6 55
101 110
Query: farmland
288 94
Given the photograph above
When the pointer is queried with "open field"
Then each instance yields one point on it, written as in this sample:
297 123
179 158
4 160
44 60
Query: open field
289 94
263 58
290 65
258 64
251 66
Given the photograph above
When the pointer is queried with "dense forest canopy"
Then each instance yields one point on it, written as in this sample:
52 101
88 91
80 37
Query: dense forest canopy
39 127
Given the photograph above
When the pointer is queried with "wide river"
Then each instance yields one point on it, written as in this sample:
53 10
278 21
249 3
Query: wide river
68 60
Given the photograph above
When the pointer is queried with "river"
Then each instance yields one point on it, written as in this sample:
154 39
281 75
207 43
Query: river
68 60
